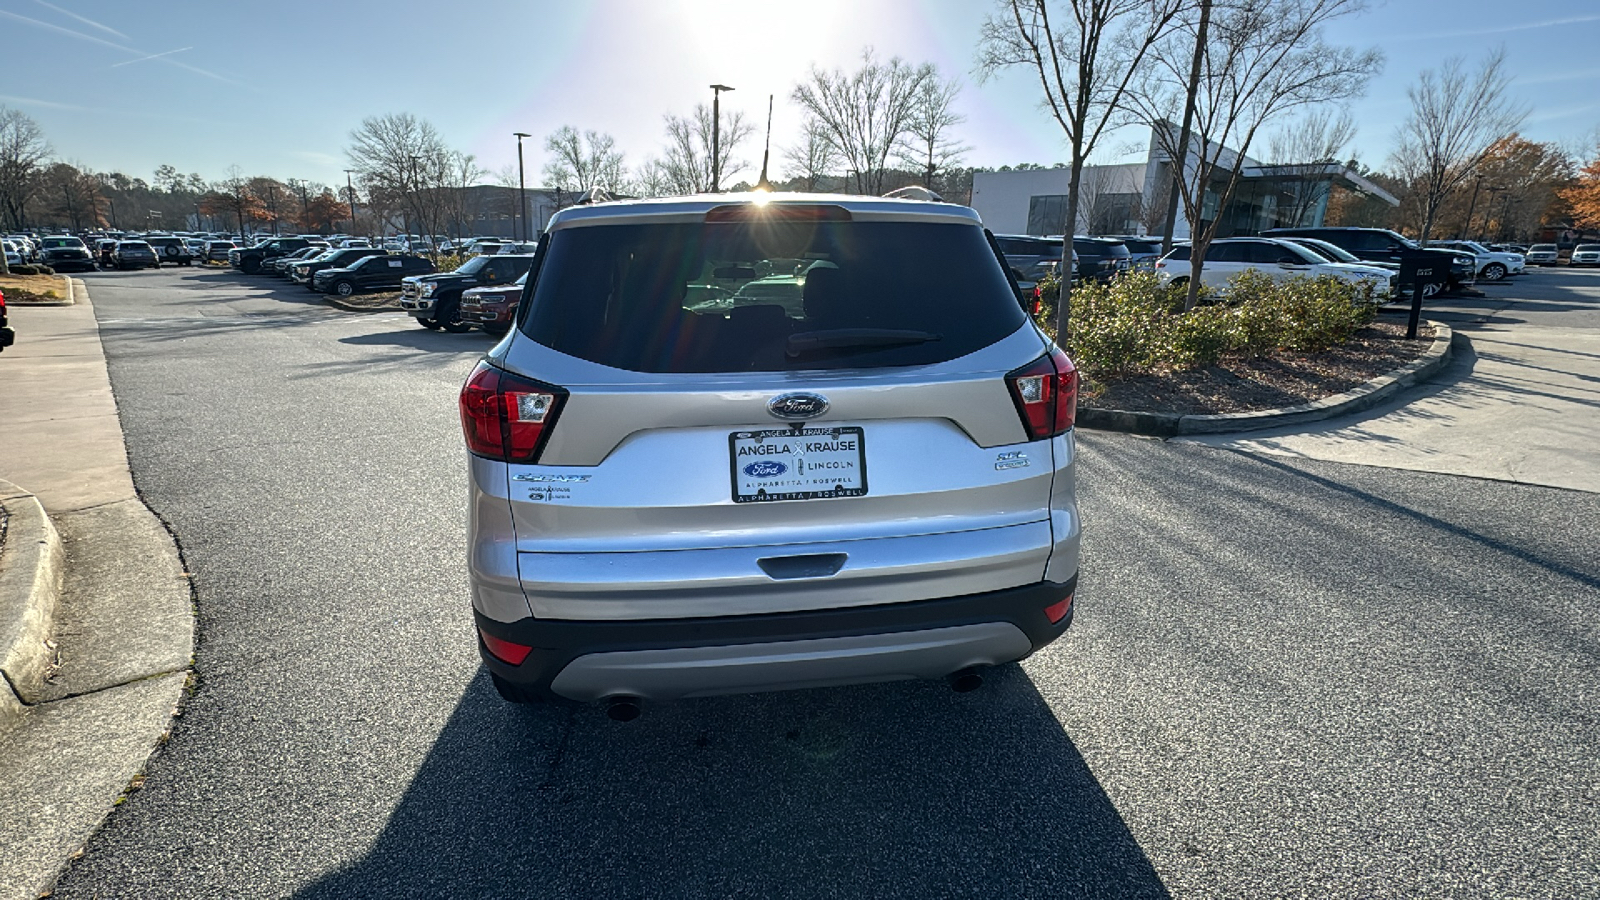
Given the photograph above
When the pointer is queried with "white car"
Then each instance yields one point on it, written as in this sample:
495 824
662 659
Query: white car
1281 259
13 253
1492 265
1543 255
1585 255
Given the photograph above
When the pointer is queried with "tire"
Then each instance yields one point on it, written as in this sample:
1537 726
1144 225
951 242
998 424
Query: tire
1493 272
344 288
250 265
1432 289
430 324
449 317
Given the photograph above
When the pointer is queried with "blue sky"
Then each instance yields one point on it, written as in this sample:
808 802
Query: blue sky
276 88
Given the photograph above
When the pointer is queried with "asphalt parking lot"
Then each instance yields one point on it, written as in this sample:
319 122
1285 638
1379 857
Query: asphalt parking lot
1289 675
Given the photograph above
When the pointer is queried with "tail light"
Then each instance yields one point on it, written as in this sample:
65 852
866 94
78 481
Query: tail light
508 652
507 417
1038 299
1046 394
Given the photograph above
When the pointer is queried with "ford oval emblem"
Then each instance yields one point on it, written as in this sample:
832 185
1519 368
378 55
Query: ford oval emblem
765 468
797 406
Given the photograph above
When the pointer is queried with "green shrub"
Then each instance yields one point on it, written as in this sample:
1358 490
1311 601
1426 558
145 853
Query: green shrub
32 269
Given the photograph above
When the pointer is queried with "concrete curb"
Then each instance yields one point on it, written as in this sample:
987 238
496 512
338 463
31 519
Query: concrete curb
1356 399
30 587
333 300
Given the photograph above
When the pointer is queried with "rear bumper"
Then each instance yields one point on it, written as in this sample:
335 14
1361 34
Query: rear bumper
666 659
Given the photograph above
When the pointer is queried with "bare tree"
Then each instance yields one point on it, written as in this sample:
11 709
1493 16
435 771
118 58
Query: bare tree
22 151
583 162
1085 55
1319 137
1455 119
927 144
1260 60
865 113
813 157
686 167
403 157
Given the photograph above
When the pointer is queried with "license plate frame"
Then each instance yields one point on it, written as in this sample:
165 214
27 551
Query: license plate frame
793 472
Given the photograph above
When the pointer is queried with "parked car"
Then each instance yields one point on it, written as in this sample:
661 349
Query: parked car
1543 255
1381 245
280 265
1492 265
667 503
1101 259
374 273
1142 251
1032 257
493 309
134 255
435 300
303 271
1585 255
103 253
1278 259
25 247
249 260
11 251
66 253
217 251
172 251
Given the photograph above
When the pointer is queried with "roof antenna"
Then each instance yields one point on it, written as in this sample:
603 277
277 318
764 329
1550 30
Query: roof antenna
763 184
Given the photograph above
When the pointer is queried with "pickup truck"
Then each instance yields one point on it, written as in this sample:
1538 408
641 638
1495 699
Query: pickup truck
249 259
435 300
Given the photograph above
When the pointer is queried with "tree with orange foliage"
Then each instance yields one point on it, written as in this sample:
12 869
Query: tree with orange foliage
1583 196
322 211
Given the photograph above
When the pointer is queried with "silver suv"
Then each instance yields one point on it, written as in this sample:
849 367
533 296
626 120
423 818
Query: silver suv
756 442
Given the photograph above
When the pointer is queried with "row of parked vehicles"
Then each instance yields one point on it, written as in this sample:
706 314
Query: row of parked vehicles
479 293
1367 256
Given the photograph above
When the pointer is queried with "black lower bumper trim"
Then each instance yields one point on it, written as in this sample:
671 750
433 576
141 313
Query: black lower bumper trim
557 642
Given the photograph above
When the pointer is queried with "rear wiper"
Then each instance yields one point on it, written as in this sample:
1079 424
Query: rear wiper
841 338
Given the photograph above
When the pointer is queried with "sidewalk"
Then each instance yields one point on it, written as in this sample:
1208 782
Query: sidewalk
120 624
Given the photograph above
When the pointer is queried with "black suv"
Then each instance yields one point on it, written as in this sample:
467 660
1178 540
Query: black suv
302 271
1380 245
249 259
370 274
1099 259
435 300
172 251
1030 257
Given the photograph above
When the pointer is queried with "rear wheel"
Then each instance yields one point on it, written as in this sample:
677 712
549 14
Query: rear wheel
1493 272
250 265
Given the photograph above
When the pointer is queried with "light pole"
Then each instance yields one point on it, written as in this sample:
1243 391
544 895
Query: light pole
716 135
1467 232
1488 208
522 189
350 192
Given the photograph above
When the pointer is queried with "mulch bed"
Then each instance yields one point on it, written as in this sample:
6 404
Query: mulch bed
378 300
1248 385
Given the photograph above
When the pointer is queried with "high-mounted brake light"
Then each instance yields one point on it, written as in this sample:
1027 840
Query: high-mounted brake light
507 417
777 212
1046 394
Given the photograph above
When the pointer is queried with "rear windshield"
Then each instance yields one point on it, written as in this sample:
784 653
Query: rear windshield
728 296
1586 248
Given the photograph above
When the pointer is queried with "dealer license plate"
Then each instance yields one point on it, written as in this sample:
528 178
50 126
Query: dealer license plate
797 464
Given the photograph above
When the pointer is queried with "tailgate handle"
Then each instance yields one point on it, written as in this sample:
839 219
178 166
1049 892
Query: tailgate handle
810 565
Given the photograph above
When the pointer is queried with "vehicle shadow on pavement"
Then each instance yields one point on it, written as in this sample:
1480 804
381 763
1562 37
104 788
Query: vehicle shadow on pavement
883 790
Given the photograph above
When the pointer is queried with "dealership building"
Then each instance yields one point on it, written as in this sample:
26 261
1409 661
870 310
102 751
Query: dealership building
1131 199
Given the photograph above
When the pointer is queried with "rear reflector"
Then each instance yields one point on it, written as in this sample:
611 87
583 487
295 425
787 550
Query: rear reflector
1046 394
1055 612
507 652
507 417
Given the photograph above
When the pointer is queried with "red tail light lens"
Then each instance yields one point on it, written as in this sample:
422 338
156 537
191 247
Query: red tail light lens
1046 394
505 651
507 417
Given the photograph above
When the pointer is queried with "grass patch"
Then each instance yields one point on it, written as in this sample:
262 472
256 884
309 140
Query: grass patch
31 288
